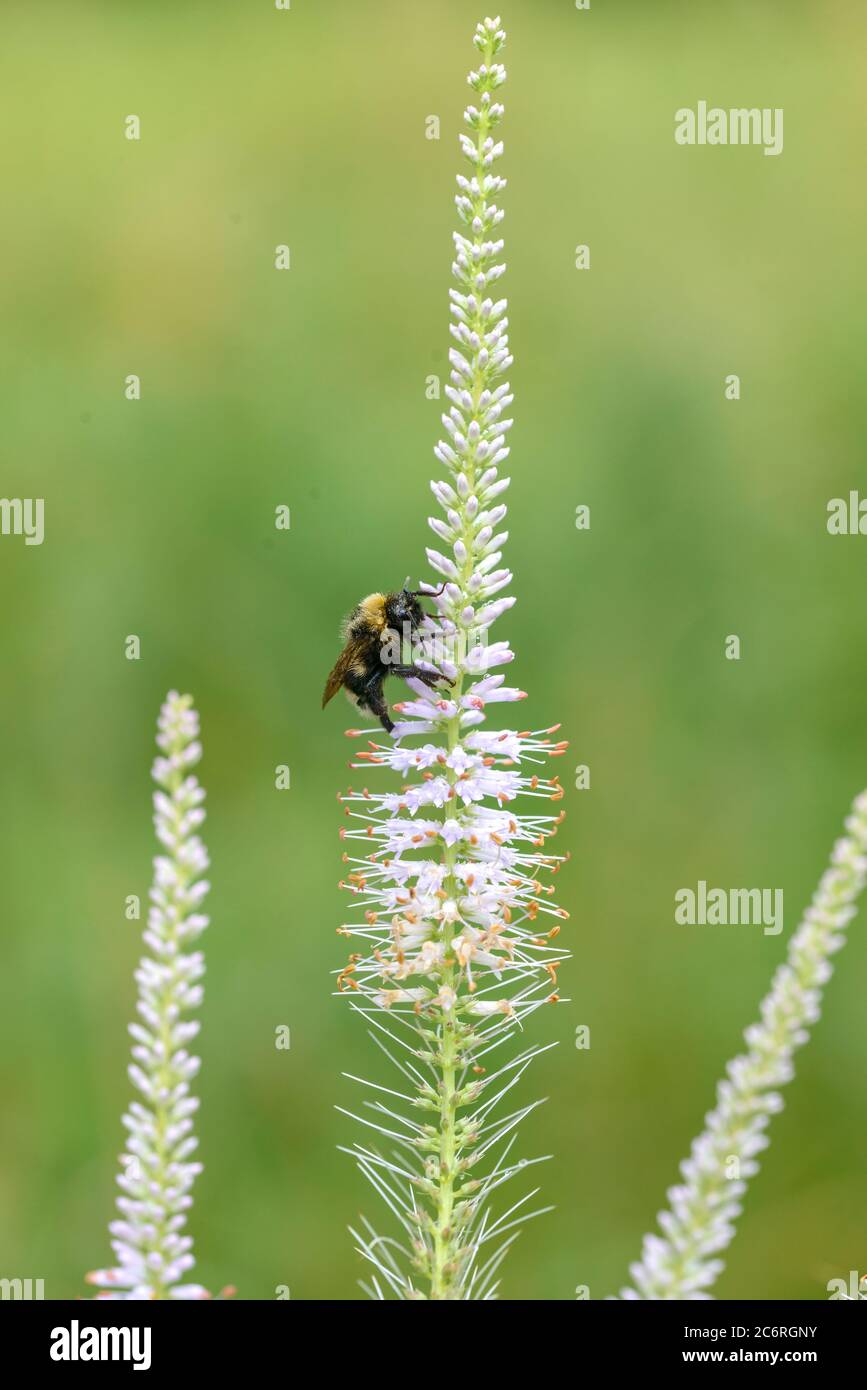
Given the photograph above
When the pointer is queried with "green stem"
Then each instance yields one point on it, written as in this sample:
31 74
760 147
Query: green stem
446 1253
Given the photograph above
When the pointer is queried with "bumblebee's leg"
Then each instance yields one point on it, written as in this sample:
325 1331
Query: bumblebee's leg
416 673
372 698
376 703
380 709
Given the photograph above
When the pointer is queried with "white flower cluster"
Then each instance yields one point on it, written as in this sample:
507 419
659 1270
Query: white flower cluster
457 927
157 1171
682 1263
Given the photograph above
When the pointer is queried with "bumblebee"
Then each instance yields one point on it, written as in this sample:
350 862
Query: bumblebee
372 634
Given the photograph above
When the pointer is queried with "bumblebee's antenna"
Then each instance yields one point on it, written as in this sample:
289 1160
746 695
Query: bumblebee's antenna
423 593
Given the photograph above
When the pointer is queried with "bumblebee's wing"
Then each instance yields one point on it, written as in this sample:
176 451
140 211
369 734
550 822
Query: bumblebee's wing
338 674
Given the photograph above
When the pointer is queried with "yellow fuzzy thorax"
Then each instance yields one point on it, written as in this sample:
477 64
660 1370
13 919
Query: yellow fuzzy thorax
374 609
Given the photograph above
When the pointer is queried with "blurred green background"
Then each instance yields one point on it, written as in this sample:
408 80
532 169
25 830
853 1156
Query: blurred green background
306 388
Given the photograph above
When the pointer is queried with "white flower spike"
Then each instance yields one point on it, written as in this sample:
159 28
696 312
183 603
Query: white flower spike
455 925
683 1263
157 1170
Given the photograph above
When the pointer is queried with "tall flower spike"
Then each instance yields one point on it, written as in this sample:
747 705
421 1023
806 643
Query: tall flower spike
157 1173
700 1221
456 928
